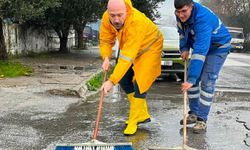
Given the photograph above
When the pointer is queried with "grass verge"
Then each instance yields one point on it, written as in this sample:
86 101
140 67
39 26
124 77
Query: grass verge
13 69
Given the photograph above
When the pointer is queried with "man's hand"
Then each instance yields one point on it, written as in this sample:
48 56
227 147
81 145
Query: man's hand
185 55
107 86
185 86
105 64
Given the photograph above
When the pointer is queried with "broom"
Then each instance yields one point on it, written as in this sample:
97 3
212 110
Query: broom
184 141
95 144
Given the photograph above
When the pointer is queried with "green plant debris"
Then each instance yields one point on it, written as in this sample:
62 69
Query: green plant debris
96 81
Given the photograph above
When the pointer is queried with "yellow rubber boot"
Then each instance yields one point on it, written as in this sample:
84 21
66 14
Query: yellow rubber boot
130 96
136 106
144 116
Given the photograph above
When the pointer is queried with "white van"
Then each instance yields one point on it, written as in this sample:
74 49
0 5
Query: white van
238 38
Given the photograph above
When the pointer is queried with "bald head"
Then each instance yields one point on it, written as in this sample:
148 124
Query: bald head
116 4
117 13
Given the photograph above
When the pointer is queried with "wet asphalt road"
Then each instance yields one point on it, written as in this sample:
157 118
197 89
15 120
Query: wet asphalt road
32 119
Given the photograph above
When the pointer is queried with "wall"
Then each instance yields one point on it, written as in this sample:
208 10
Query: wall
22 41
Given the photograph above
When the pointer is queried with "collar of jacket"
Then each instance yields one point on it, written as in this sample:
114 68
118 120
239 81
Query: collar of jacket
129 6
130 10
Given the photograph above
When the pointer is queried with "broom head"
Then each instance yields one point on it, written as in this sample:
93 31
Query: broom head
95 145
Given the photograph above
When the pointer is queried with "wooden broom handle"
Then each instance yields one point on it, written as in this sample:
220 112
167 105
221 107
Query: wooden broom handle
98 117
185 108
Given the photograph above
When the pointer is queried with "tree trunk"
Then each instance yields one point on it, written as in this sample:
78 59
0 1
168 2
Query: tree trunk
80 38
63 44
79 29
3 52
63 35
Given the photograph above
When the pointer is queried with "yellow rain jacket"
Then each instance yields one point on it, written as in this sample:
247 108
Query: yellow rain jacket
140 44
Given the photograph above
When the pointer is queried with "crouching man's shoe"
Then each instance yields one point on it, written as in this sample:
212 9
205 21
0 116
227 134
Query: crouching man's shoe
200 127
192 118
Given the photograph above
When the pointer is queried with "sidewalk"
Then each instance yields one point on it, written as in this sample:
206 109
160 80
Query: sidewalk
60 73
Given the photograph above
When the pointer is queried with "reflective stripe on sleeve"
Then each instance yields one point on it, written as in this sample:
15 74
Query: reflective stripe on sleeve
225 45
126 58
147 48
218 28
198 57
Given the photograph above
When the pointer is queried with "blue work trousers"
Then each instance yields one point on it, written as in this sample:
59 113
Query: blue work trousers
129 86
201 94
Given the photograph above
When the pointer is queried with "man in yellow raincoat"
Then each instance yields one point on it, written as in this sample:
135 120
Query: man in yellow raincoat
139 62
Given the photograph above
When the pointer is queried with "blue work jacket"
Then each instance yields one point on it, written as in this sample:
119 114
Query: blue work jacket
205 33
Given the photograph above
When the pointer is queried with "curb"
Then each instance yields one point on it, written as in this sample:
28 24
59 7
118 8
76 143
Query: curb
82 88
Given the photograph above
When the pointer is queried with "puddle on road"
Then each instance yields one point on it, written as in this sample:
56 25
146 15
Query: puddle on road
165 103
